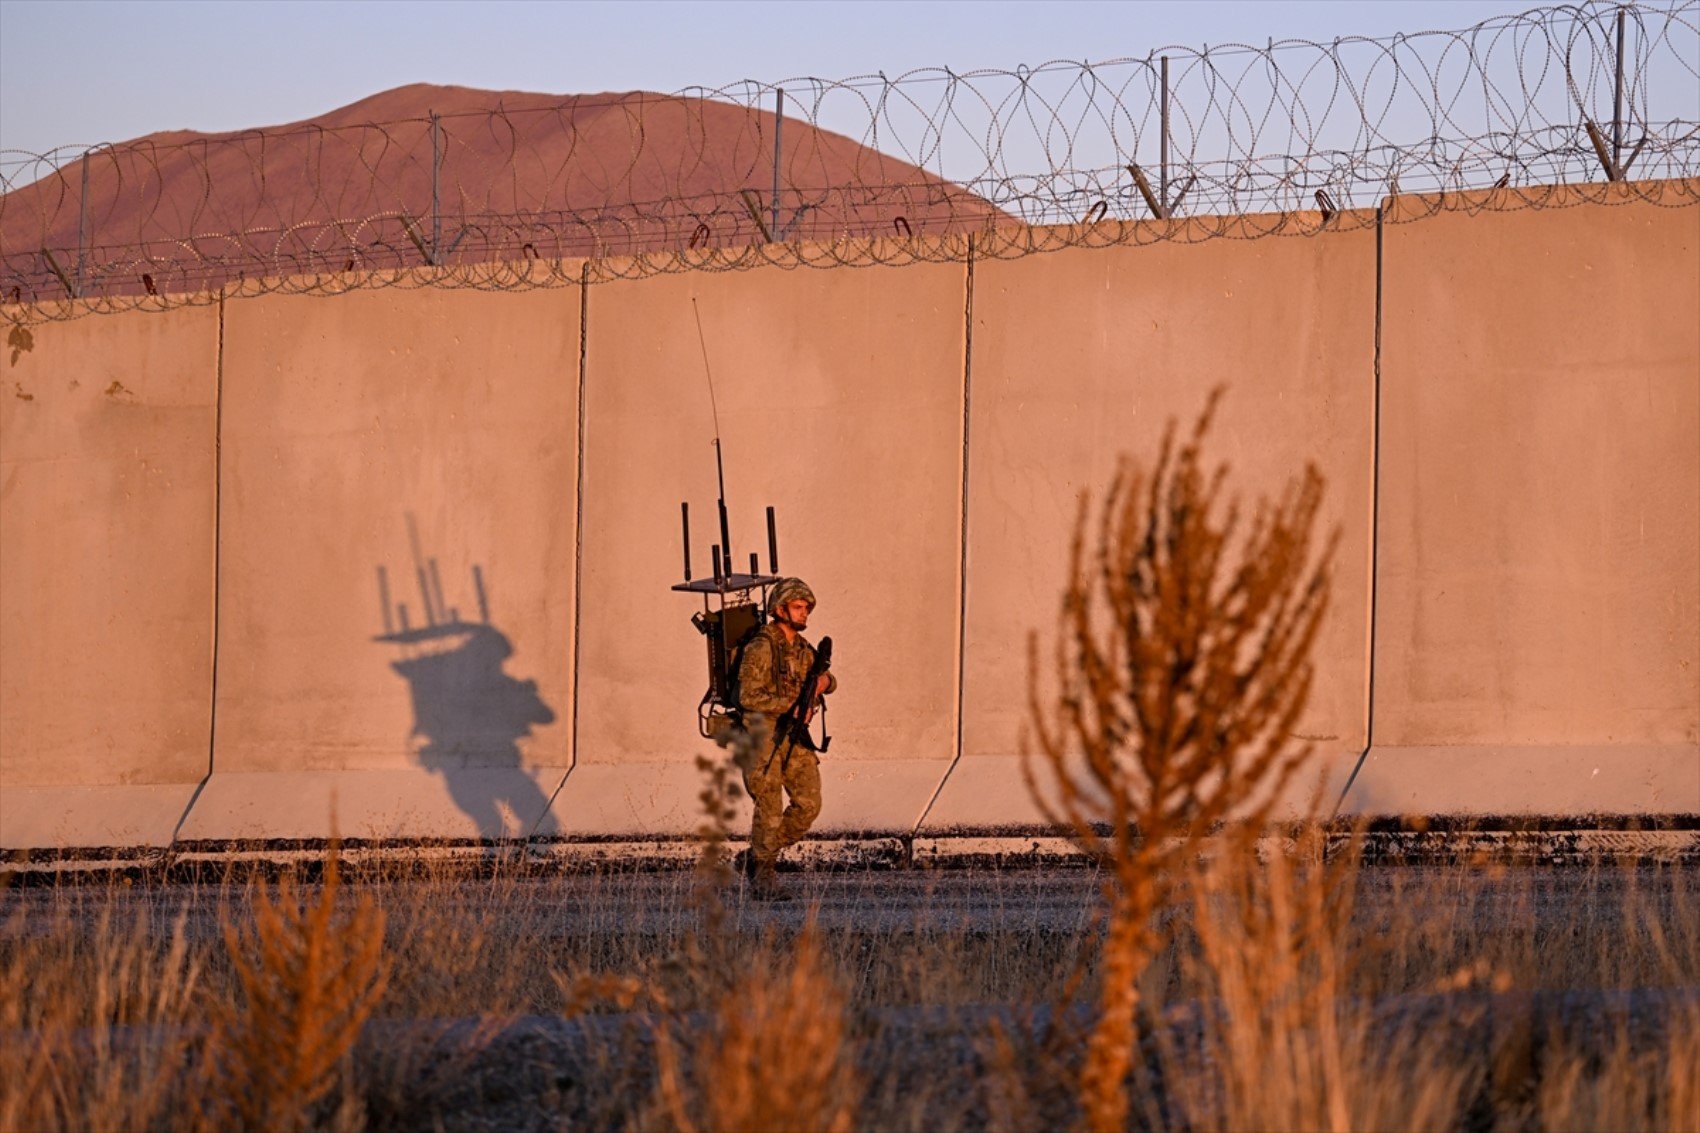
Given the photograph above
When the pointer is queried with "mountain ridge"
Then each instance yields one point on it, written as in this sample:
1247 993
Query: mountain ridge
517 174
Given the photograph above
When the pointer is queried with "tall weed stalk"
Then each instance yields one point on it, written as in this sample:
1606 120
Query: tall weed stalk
1180 668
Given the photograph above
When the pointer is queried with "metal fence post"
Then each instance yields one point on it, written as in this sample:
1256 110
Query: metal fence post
436 196
82 226
1163 156
778 129
1617 99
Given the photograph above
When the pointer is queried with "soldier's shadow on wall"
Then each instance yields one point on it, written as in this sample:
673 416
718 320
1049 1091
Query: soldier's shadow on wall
469 713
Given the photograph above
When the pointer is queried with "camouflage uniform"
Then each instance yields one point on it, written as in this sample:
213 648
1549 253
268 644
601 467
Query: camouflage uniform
770 676
769 680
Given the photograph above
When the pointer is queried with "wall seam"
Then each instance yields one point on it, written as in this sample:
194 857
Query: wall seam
578 548
217 570
962 531
1374 521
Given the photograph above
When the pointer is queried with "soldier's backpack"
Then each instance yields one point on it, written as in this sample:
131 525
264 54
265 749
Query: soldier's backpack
735 665
729 632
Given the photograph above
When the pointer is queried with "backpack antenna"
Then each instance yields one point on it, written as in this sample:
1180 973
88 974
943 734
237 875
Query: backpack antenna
719 464
733 604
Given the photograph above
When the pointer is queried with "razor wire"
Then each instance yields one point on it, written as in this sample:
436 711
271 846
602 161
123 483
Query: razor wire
1226 139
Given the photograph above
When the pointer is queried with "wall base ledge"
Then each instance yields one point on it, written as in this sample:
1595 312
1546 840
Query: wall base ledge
641 802
1536 840
1509 779
116 816
404 803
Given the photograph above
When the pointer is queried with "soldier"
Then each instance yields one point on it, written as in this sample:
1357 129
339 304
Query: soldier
770 676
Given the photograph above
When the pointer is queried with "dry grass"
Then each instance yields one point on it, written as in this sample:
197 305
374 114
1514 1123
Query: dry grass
1584 1090
1292 993
775 1055
97 1018
772 1055
309 973
1287 1042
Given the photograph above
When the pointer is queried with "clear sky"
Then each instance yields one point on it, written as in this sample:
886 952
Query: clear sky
82 72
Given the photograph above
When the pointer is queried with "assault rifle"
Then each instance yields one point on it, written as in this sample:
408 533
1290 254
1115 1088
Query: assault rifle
793 725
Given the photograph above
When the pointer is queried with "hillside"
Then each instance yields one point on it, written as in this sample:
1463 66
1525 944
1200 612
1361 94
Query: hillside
519 175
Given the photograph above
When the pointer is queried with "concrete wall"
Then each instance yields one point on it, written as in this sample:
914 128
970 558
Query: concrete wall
1083 357
1516 608
364 438
107 439
840 404
1538 623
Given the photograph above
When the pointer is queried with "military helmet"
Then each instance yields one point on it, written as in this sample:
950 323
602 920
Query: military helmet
788 590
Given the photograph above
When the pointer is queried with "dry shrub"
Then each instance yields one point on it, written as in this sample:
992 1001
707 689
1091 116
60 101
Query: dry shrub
460 942
1181 666
769 1050
1304 1013
97 1017
310 974
1282 1040
1582 1091
103 1001
1593 1082
775 1057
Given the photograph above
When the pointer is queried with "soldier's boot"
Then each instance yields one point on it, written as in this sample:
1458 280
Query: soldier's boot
766 886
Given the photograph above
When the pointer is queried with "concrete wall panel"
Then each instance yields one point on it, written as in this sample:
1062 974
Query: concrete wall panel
367 438
1537 645
106 550
1082 356
839 402
1540 536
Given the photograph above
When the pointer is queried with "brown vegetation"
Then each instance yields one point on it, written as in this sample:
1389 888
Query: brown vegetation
1182 662
310 974
71 994
775 1054
1291 988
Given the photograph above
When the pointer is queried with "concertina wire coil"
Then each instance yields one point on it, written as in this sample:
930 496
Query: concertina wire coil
1550 107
